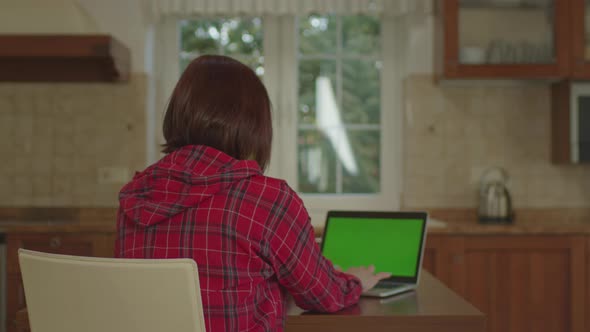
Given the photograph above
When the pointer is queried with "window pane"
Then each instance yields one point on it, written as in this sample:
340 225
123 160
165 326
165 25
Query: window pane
200 36
237 37
311 89
317 34
241 36
253 61
337 160
184 61
366 146
317 162
360 34
361 102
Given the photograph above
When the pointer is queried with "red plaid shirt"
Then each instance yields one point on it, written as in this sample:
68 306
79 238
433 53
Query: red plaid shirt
249 234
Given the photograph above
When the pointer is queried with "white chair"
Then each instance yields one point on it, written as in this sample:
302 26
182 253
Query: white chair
87 294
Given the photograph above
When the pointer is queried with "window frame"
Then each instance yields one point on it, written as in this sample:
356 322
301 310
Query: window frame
281 57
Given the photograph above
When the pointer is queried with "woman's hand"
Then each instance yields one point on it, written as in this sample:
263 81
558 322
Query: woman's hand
367 276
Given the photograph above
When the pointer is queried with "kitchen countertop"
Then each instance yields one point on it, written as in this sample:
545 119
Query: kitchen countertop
545 221
537 221
554 221
518 228
57 220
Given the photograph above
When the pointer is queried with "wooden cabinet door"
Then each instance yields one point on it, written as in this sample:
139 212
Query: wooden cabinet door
436 255
431 251
523 283
439 255
15 299
87 244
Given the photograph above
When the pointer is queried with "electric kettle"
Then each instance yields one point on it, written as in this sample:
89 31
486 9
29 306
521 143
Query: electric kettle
495 205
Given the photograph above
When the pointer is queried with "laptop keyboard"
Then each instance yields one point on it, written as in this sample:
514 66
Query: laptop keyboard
389 284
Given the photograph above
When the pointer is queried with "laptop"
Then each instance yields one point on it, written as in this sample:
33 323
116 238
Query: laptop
391 241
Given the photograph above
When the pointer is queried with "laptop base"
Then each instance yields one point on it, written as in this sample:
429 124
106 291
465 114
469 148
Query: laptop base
389 291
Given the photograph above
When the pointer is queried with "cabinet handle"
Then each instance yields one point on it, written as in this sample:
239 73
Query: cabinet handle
55 242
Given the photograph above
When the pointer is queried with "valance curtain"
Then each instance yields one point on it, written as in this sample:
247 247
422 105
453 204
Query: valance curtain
157 9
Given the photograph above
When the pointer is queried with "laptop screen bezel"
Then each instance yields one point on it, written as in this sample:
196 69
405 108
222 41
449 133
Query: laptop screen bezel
385 215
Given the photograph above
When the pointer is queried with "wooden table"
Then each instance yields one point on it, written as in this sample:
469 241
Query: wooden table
433 307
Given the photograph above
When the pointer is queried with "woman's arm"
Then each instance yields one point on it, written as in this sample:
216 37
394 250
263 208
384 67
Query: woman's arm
300 266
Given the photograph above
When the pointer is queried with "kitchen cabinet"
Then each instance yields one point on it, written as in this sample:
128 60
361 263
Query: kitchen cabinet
79 244
521 282
580 39
569 98
570 122
437 257
431 253
561 124
502 39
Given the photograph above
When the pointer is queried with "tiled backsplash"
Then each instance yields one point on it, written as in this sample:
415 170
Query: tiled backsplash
56 141
453 133
56 138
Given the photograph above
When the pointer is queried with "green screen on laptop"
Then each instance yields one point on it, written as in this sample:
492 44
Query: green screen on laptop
392 245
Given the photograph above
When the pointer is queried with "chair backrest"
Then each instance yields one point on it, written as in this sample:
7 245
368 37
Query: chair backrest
75 294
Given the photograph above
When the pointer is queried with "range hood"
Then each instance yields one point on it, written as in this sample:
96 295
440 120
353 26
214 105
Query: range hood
57 41
62 58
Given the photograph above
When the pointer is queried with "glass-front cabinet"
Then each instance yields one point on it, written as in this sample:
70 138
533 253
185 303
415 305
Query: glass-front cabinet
508 39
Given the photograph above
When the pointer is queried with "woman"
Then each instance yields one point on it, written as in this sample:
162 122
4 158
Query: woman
208 200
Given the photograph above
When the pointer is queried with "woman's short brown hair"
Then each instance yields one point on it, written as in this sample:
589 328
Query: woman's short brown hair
221 103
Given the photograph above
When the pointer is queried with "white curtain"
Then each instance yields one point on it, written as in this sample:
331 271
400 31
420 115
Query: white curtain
157 9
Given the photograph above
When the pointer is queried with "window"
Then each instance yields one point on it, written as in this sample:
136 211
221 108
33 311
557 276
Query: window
324 74
339 105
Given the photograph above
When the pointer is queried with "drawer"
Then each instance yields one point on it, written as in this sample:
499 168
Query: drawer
93 245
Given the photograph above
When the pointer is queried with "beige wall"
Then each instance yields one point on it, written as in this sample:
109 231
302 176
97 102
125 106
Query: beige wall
56 138
44 17
123 19
452 134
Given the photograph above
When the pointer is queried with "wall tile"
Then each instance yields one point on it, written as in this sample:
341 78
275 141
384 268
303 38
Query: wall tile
42 186
23 185
20 200
63 165
64 146
23 165
6 189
